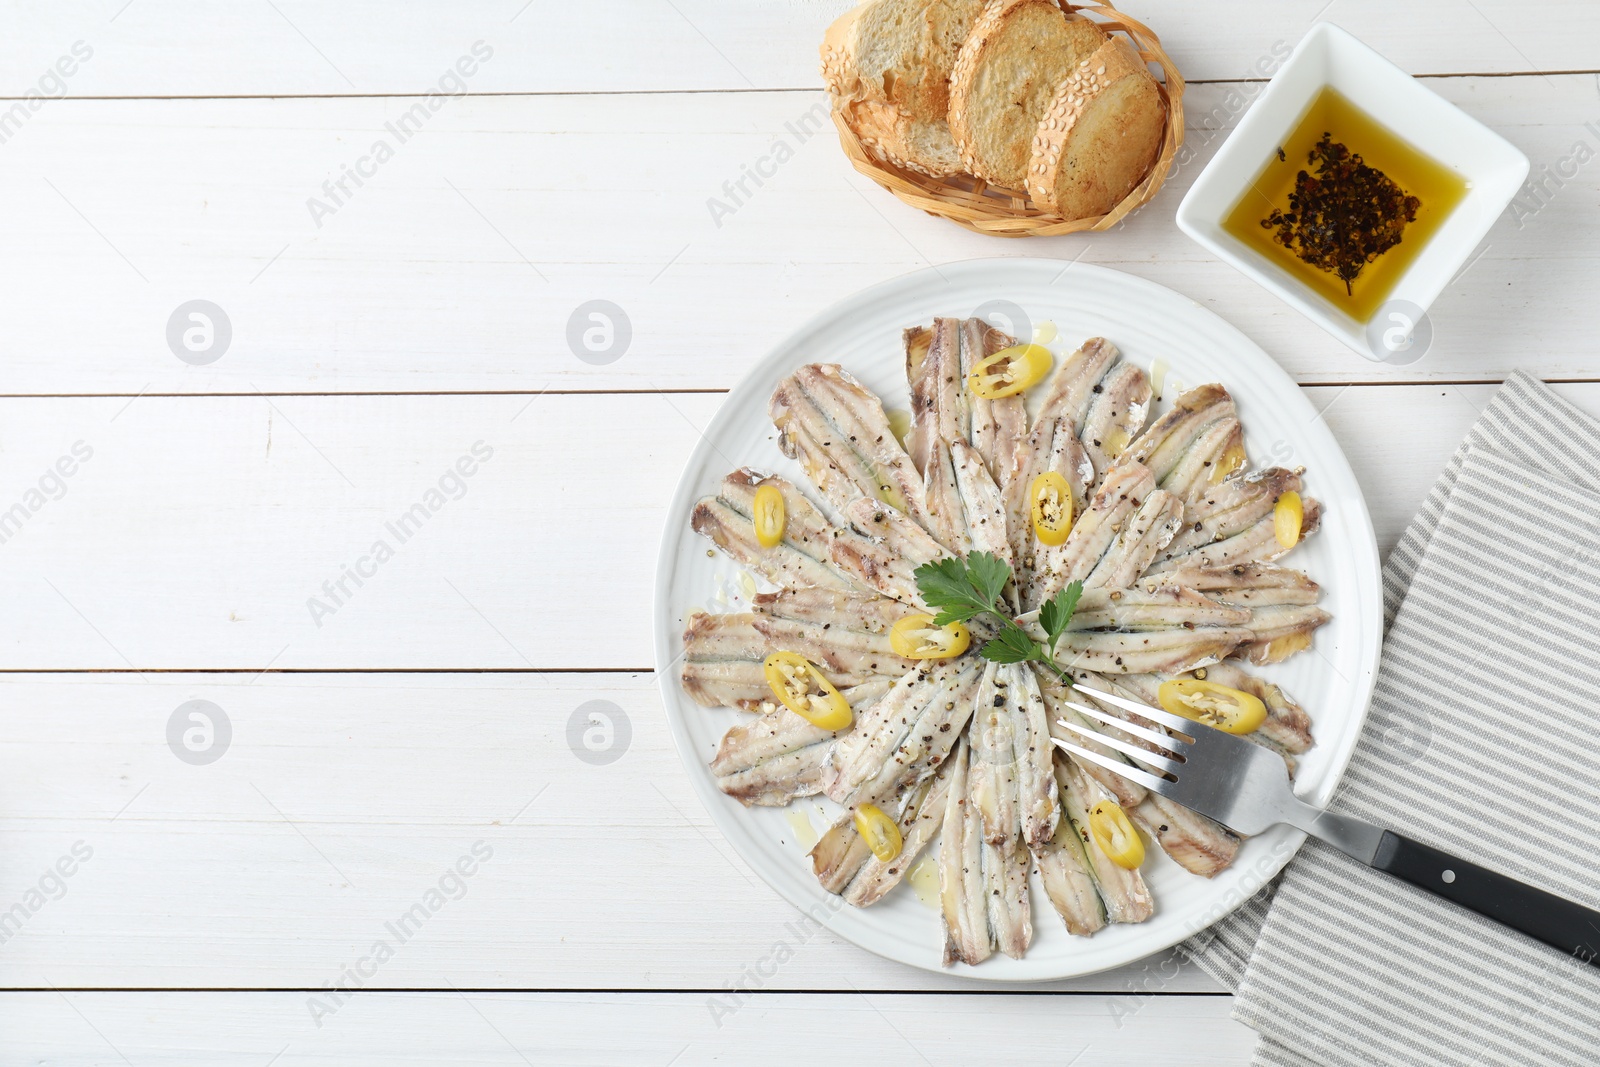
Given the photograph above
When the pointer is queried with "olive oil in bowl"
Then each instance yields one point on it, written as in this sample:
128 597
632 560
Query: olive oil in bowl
1351 228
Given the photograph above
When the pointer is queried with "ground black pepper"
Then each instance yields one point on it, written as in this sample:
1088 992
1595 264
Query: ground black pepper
1346 216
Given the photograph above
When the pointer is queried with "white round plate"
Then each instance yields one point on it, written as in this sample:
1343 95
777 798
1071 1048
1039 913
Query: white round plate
1148 323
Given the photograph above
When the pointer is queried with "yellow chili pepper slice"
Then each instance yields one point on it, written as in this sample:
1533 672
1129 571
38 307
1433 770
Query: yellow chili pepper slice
769 515
1050 503
916 637
1230 710
1115 835
880 832
1287 517
796 682
1009 371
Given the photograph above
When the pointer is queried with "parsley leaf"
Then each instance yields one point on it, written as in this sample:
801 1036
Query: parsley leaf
1056 613
988 575
964 589
945 587
1011 645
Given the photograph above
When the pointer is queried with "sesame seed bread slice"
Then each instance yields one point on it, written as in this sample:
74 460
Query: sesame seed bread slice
897 138
887 66
1007 72
1099 136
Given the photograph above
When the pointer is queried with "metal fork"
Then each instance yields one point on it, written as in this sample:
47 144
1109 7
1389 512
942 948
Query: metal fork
1245 787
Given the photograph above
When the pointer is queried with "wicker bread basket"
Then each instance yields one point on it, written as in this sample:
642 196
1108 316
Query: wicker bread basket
978 206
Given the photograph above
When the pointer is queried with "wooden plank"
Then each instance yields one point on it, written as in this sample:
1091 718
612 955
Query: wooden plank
334 805
462 262
224 532
298 47
200 533
79 1029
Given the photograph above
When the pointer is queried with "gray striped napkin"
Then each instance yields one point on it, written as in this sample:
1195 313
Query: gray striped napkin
1486 699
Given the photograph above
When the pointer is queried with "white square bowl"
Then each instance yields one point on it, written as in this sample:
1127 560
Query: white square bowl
1328 56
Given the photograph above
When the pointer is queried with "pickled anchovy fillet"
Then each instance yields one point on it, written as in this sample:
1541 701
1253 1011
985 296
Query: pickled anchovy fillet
1119 496
1197 844
1010 912
1050 446
982 507
1141 538
1248 585
1232 507
947 518
1164 442
1280 630
992 771
939 397
1160 608
805 525
1010 777
966 505
1206 462
723 655
801 559
963 899
944 410
1071 389
905 736
752 635
832 608
983 888
840 433
881 550
996 425
1288 727
1126 898
845 865
1148 651
1257 543
779 756
1064 871
1121 400
897 533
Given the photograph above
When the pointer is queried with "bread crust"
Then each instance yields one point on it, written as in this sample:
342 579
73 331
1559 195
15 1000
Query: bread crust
891 134
900 118
1049 181
984 46
838 72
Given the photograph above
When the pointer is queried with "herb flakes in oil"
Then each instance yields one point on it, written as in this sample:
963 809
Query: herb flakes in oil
1346 216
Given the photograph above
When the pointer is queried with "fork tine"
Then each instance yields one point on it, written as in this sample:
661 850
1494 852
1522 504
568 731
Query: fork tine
1171 744
1127 748
1145 711
1127 770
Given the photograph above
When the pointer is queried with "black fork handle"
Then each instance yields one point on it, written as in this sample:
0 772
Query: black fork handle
1557 921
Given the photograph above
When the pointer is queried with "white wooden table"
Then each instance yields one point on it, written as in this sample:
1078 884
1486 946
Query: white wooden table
156 152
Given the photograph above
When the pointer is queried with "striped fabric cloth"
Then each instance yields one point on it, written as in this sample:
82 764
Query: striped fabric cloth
1487 703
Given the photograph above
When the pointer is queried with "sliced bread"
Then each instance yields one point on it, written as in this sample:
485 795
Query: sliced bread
887 65
1099 135
895 136
1005 76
